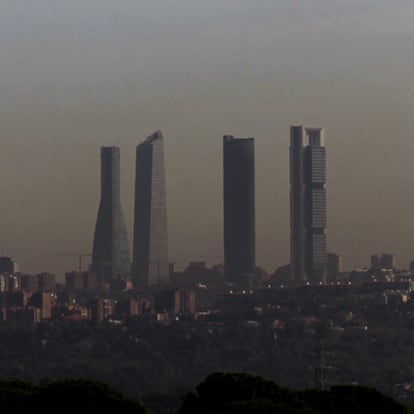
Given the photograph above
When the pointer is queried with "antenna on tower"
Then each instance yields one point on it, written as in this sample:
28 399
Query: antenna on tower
80 257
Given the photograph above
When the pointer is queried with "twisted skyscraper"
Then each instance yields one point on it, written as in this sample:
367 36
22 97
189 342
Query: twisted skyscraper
110 253
150 245
308 204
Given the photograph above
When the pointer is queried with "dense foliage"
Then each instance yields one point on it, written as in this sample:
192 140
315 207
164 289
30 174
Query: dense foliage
239 393
219 393
67 395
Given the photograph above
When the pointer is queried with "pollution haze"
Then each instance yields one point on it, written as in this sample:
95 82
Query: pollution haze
79 75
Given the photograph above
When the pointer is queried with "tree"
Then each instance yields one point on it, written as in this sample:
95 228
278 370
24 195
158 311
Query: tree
242 393
234 392
65 395
16 394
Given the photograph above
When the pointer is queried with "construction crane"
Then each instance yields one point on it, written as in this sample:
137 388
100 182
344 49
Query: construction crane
80 257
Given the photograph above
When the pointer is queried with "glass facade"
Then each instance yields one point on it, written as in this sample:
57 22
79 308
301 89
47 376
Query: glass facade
308 204
110 251
239 211
150 245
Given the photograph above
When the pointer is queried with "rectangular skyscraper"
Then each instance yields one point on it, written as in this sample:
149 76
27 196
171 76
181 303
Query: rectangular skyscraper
150 250
110 252
308 219
239 211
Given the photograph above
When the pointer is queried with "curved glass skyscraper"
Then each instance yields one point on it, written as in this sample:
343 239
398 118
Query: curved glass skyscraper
110 253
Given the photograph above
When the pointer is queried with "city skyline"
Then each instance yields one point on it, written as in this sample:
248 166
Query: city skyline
75 78
212 259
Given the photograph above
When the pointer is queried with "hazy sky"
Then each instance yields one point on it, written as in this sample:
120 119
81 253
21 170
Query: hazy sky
77 75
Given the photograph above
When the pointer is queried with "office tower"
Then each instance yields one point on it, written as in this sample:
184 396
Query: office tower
308 204
387 261
334 264
150 245
239 211
47 282
110 253
375 261
8 265
383 261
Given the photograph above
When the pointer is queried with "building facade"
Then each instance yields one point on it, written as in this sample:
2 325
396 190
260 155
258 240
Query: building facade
110 252
335 265
150 237
8 265
308 215
239 211
383 261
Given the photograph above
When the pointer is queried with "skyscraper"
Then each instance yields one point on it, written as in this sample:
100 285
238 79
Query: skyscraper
110 252
239 211
308 204
150 245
